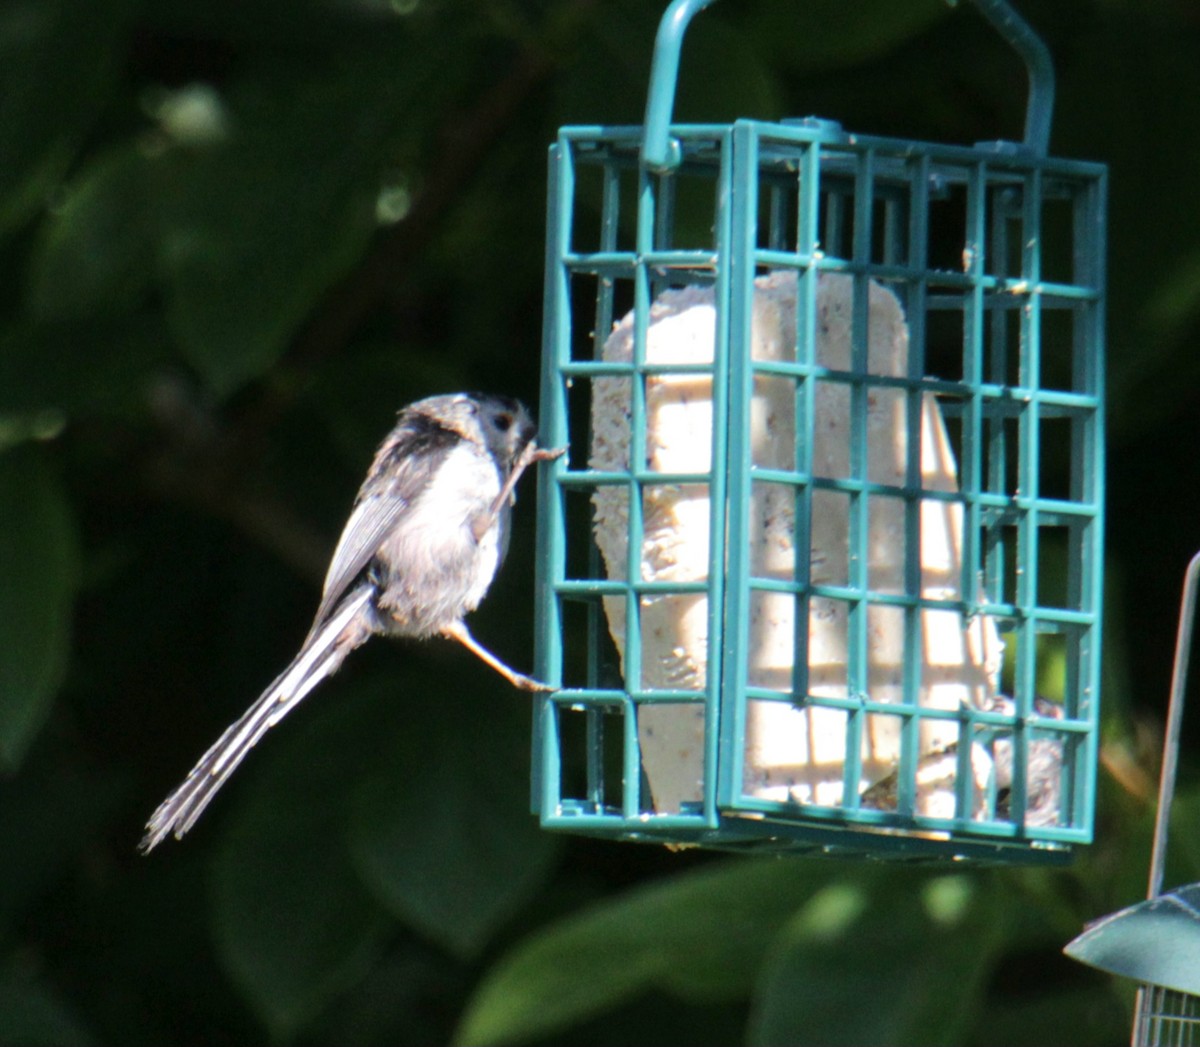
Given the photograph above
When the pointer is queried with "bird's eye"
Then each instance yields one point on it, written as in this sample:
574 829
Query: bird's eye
503 421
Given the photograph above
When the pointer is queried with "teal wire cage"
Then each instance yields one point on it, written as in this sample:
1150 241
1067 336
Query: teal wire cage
821 571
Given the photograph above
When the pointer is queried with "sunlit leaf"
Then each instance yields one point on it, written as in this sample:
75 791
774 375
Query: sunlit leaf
903 964
258 225
702 935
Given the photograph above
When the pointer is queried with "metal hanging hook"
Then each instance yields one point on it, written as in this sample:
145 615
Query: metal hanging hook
660 152
1039 108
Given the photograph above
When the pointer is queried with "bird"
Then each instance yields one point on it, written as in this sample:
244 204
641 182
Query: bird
991 763
428 530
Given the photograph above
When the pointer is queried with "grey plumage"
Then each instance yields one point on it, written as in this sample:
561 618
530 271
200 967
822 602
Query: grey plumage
428 531
991 757
1043 766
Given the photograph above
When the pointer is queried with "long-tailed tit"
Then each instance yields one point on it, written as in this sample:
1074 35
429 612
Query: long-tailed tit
428 530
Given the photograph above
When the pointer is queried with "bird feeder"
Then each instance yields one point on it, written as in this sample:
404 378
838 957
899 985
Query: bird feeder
821 570
1157 942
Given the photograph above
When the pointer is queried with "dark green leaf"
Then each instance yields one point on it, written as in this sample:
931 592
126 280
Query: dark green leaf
258 226
39 561
1112 105
48 811
91 365
58 60
95 254
723 76
33 1014
1082 1015
702 935
293 923
442 831
903 963
822 35
613 66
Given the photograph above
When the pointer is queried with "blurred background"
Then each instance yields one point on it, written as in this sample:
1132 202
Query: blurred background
234 238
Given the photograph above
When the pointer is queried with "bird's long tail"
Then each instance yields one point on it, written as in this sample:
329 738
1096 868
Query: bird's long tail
322 654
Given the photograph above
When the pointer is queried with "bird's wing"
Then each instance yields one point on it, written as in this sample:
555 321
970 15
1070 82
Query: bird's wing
404 467
373 518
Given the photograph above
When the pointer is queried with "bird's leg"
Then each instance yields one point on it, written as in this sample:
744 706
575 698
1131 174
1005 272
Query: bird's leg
482 523
532 453
457 630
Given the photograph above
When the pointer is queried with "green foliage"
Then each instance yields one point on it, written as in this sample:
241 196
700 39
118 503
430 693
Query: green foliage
440 831
36 1015
830 35
234 238
95 253
59 61
701 937
38 576
890 940
293 924
299 165
825 954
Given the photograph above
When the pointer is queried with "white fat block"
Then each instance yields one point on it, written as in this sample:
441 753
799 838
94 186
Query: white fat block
793 752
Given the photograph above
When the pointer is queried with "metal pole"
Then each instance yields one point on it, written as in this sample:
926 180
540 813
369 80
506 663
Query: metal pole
1170 763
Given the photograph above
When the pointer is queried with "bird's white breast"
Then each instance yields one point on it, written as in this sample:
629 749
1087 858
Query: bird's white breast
441 569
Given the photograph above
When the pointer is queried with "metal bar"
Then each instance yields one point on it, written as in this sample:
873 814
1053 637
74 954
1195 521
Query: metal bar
545 789
1166 785
1170 764
857 662
808 222
734 220
972 481
736 462
918 259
